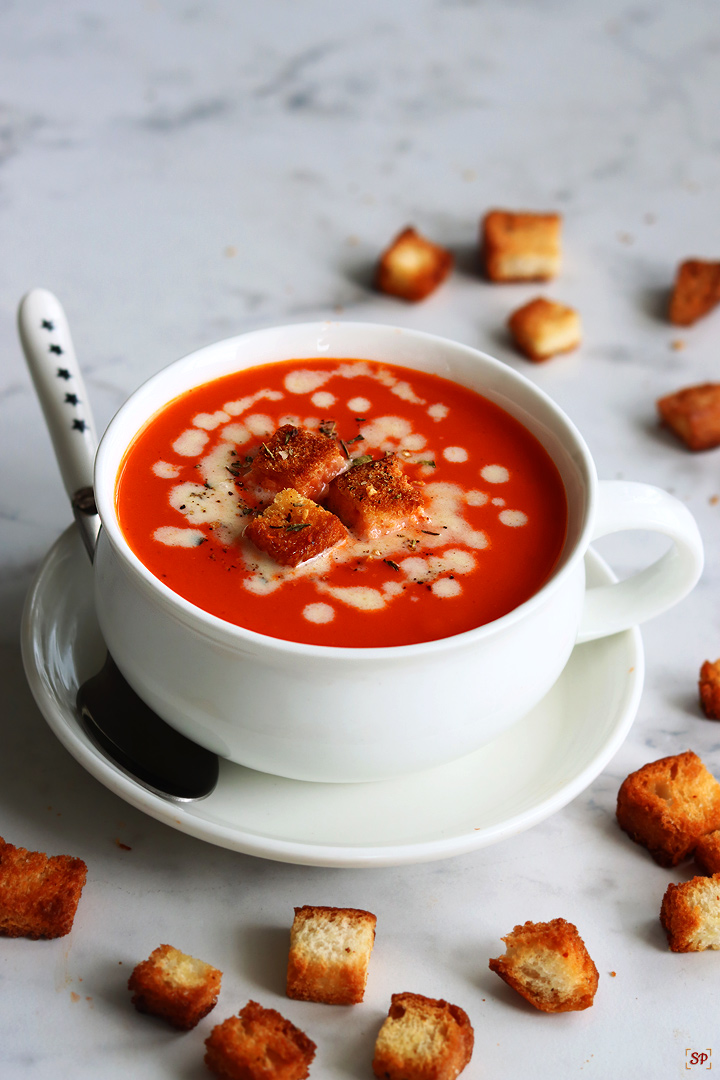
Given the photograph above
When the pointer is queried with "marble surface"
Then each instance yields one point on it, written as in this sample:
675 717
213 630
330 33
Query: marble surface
180 171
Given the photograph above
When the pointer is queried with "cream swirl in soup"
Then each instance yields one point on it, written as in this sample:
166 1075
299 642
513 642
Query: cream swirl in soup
436 510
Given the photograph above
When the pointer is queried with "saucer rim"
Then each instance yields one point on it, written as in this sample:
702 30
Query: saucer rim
65 726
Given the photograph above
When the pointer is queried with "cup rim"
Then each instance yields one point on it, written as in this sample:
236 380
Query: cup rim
107 460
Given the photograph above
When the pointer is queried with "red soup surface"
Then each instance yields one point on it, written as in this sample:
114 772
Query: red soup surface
493 524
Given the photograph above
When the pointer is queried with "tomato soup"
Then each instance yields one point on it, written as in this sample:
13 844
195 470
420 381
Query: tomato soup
495 511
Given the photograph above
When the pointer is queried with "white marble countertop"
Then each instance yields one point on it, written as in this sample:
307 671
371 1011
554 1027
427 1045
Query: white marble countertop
178 172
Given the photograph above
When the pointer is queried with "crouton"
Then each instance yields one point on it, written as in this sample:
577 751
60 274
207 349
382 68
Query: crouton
423 1039
412 267
329 954
696 291
39 894
690 914
693 414
709 687
296 458
521 246
542 328
259 1044
293 529
707 852
549 965
374 498
667 805
176 987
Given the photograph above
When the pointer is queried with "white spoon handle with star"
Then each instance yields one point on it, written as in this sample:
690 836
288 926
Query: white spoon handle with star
50 356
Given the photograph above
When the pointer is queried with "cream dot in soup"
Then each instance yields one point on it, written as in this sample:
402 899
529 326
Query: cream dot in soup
385 377
361 597
304 381
235 408
359 405
425 568
318 613
236 433
455 453
446 587
209 421
476 498
190 443
323 399
513 518
438 412
165 470
498 502
172 536
385 432
405 391
495 474
412 442
259 424
392 588
445 511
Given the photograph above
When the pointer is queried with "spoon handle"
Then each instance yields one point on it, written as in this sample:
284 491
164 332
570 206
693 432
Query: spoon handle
50 356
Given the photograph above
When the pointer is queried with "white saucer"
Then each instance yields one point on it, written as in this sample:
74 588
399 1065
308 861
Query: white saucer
530 772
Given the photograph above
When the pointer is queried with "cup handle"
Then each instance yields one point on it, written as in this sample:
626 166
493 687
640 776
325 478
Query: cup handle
623 506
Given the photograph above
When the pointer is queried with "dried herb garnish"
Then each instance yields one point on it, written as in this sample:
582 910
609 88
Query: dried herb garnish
361 460
392 564
297 526
428 533
268 451
239 468
358 438
327 428
427 461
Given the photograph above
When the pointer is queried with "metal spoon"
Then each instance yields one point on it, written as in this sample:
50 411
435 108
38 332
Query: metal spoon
115 718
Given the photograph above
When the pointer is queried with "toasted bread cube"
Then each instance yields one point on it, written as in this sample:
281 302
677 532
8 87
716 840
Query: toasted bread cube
696 291
690 914
693 414
259 1044
667 805
423 1039
176 987
707 852
549 965
293 529
374 498
412 267
542 328
39 894
296 458
521 246
329 954
709 687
